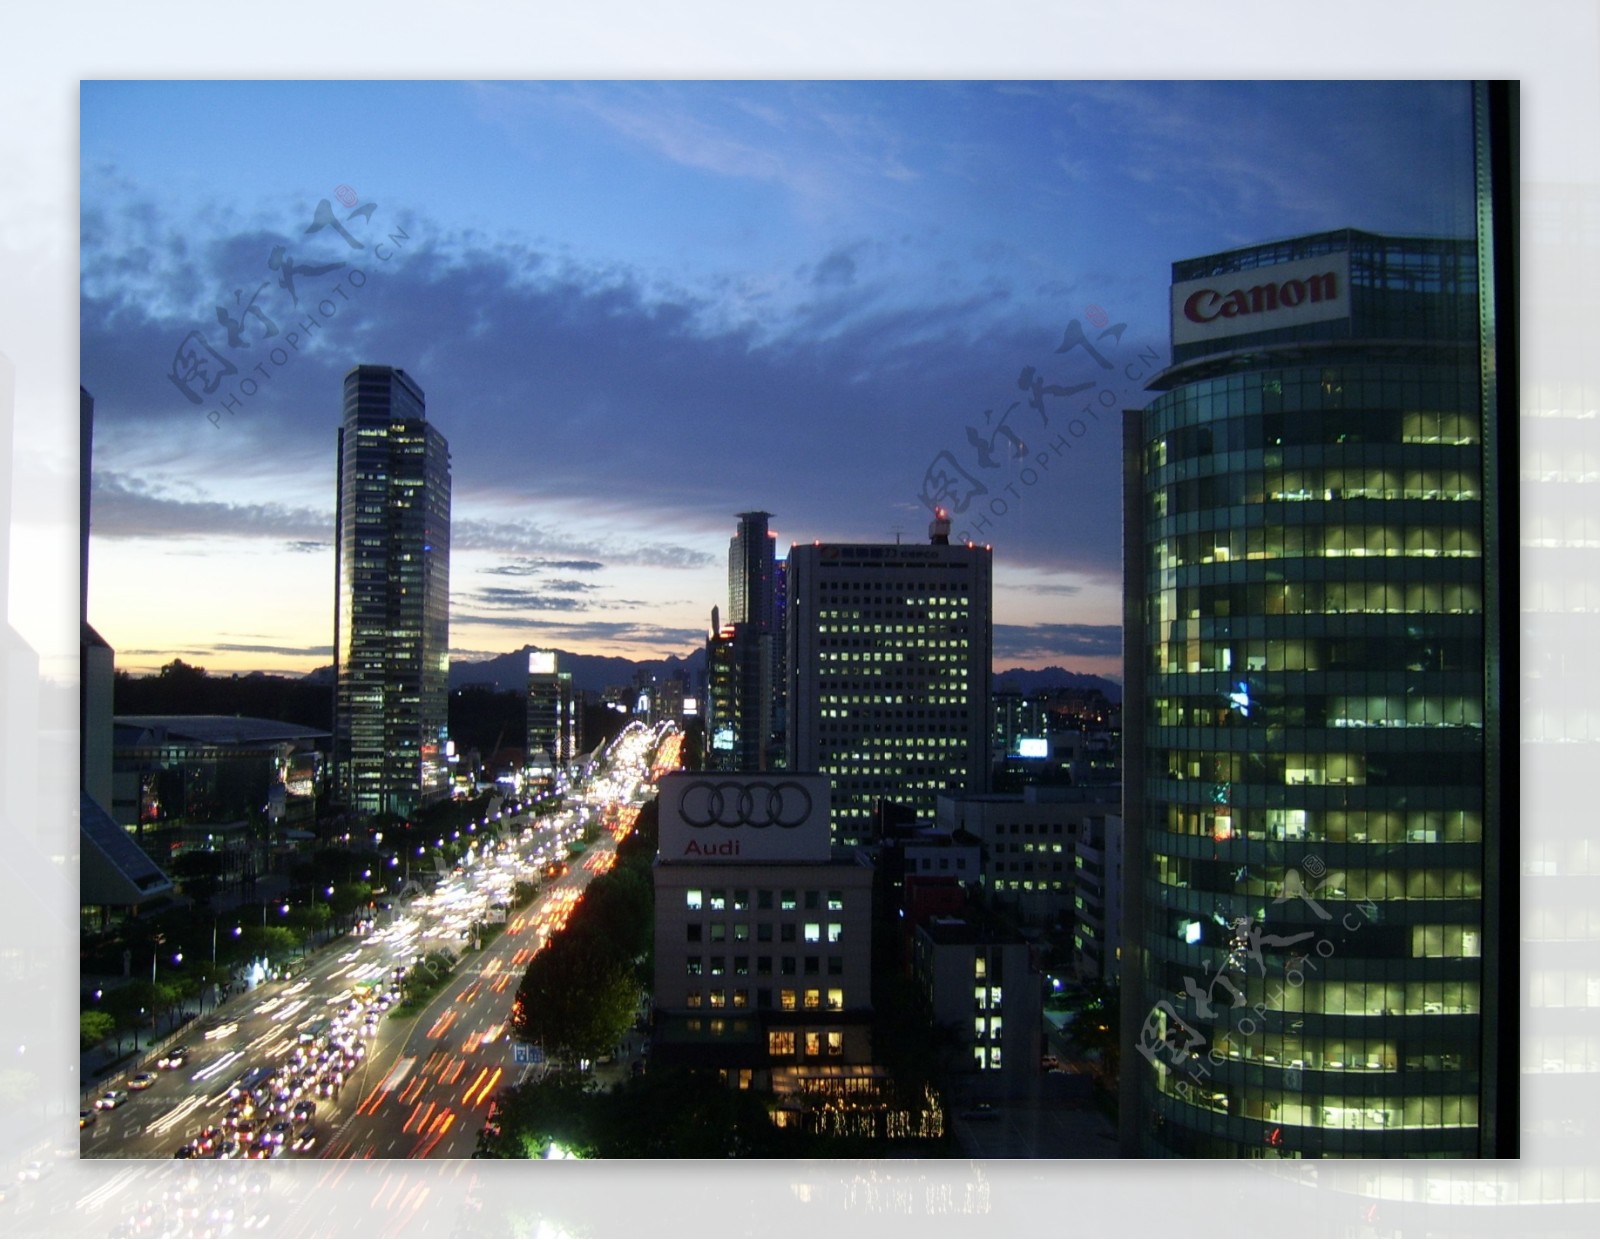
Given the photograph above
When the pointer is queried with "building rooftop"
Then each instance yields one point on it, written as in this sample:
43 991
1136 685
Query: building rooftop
115 870
964 931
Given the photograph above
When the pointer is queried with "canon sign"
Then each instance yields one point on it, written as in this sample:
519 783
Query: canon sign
1285 295
717 816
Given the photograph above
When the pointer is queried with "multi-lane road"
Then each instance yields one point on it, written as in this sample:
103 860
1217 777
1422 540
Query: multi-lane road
423 1083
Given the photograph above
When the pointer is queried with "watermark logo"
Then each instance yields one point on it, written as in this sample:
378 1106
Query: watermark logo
226 380
1075 397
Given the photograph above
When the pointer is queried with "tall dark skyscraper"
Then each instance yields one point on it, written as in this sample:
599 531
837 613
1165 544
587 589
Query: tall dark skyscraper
745 655
889 650
1315 964
392 597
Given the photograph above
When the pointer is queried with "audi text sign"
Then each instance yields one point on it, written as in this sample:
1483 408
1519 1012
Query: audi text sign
719 816
1308 290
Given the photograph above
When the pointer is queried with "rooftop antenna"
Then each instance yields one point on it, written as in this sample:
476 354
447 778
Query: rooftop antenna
897 531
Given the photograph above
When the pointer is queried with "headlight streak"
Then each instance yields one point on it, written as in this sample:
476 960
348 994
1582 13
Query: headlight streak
216 1066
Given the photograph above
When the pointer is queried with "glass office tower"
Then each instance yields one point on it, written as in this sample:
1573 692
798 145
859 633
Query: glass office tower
1312 709
392 597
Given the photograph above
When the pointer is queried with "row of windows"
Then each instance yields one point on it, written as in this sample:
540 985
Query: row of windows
788 932
867 692
1328 541
1334 826
1289 1108
809 1042
1427 652
1313 428
858 628
1356 998
1321 711
1294 598
697 966
809 999
1346 1054
718 899
1317 769
1257 486
1336 883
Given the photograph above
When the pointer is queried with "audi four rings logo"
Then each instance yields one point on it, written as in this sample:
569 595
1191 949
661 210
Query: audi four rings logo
711 804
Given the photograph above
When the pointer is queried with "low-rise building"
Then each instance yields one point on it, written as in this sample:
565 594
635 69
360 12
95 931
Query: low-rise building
763 941
986 994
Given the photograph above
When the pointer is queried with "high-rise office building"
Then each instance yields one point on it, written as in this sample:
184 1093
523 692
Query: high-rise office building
552 716
1314 964
745 655
392 597
889 648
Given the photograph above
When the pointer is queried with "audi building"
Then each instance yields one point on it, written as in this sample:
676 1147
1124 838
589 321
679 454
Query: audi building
763 937
1315 963
889 651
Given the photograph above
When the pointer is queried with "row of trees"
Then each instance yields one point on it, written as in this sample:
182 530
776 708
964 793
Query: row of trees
579 994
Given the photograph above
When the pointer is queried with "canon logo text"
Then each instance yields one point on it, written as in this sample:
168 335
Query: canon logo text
1207 304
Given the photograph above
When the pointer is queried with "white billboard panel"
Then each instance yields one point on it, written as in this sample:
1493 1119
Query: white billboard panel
1308 290
719 816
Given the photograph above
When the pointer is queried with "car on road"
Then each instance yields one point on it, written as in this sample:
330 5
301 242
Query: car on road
111 1099
304 1110
35 1170
306 1139
86 1119
175 1058
141 1080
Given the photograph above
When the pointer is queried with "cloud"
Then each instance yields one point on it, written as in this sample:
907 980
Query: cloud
528 567
1040 588
522 600
512 537
316 652
838 268
309 547
1056 641
123 507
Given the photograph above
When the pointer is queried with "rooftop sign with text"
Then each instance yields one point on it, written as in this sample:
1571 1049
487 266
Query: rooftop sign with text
1308 290
721 816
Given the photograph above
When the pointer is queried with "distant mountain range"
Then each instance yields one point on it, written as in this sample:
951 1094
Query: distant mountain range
1036 680
593 673
590 672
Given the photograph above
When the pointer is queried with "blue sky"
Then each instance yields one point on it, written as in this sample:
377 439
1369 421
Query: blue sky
639 308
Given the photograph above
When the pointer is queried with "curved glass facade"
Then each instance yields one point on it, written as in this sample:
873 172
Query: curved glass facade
1307 558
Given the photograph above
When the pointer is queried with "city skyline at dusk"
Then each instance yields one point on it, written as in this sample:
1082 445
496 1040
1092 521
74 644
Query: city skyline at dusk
637 309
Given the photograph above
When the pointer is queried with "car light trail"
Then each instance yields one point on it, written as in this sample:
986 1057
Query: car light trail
216 1066
466 1098
444 1022
178 1113
488 1088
